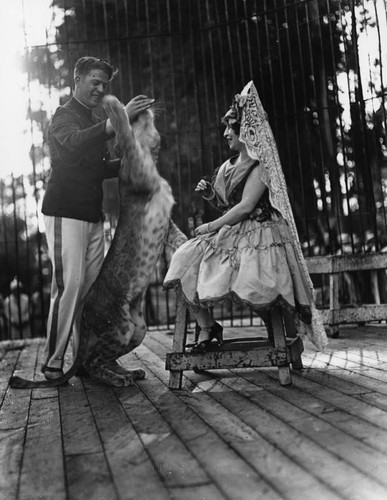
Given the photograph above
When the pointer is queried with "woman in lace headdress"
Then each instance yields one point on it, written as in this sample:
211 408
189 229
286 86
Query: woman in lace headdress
251 254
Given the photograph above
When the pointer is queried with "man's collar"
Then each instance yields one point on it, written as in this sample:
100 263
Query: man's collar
80 107
81 103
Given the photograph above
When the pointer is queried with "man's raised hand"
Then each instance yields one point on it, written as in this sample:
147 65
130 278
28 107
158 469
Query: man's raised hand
137 105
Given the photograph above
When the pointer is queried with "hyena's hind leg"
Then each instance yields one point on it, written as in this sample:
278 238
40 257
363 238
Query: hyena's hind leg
139 332
103 365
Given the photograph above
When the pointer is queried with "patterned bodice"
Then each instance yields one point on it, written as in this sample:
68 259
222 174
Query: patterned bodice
229 182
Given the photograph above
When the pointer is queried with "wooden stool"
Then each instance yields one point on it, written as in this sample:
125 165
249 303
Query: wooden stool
277 350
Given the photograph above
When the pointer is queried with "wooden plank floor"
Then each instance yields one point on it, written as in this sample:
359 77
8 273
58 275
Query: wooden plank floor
235 435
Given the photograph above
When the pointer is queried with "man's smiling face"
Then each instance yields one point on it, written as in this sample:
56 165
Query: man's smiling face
90 88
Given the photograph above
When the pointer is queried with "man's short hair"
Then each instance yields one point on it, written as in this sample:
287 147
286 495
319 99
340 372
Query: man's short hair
87 63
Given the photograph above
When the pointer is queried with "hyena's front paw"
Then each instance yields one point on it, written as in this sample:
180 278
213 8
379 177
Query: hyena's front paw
137 374
131 376
115 375
103 374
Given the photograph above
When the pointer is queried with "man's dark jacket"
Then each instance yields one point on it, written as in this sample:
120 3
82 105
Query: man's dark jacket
79 164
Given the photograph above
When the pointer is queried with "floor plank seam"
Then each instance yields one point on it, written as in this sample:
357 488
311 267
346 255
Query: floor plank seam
65 472
23 448
111 475
82 454
6 389
11 429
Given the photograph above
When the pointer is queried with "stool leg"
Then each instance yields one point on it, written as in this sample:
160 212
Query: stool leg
334 304
297 364
280 343
179 340
291 332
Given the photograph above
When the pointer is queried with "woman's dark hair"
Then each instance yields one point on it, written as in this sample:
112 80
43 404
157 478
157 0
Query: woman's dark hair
236 127
230 122
233 117
87 63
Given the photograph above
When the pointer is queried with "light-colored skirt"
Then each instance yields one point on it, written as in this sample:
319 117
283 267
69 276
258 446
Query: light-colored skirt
252 262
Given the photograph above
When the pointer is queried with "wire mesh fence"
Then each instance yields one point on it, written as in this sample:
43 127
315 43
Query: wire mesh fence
319 67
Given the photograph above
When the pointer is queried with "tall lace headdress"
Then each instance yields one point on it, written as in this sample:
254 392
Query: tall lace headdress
256 133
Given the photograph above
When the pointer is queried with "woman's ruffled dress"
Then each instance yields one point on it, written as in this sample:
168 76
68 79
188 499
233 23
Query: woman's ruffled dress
253 262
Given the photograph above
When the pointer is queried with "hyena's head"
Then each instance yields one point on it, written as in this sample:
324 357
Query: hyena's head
146 132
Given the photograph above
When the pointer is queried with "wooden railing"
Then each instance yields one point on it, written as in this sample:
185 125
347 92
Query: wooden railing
336 264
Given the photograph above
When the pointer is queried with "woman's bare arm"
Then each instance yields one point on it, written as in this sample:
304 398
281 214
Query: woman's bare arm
252 192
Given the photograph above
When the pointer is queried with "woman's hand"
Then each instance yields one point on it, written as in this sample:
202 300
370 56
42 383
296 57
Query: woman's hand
203 187
137 105
203 229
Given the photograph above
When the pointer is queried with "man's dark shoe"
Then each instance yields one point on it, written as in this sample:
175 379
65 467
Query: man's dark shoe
52 373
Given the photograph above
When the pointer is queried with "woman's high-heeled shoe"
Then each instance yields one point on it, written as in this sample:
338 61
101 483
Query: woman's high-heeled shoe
215 338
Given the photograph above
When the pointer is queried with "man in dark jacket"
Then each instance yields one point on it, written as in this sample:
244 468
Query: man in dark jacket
72 205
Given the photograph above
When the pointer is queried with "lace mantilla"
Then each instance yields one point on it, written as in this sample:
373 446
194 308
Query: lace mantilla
256 133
